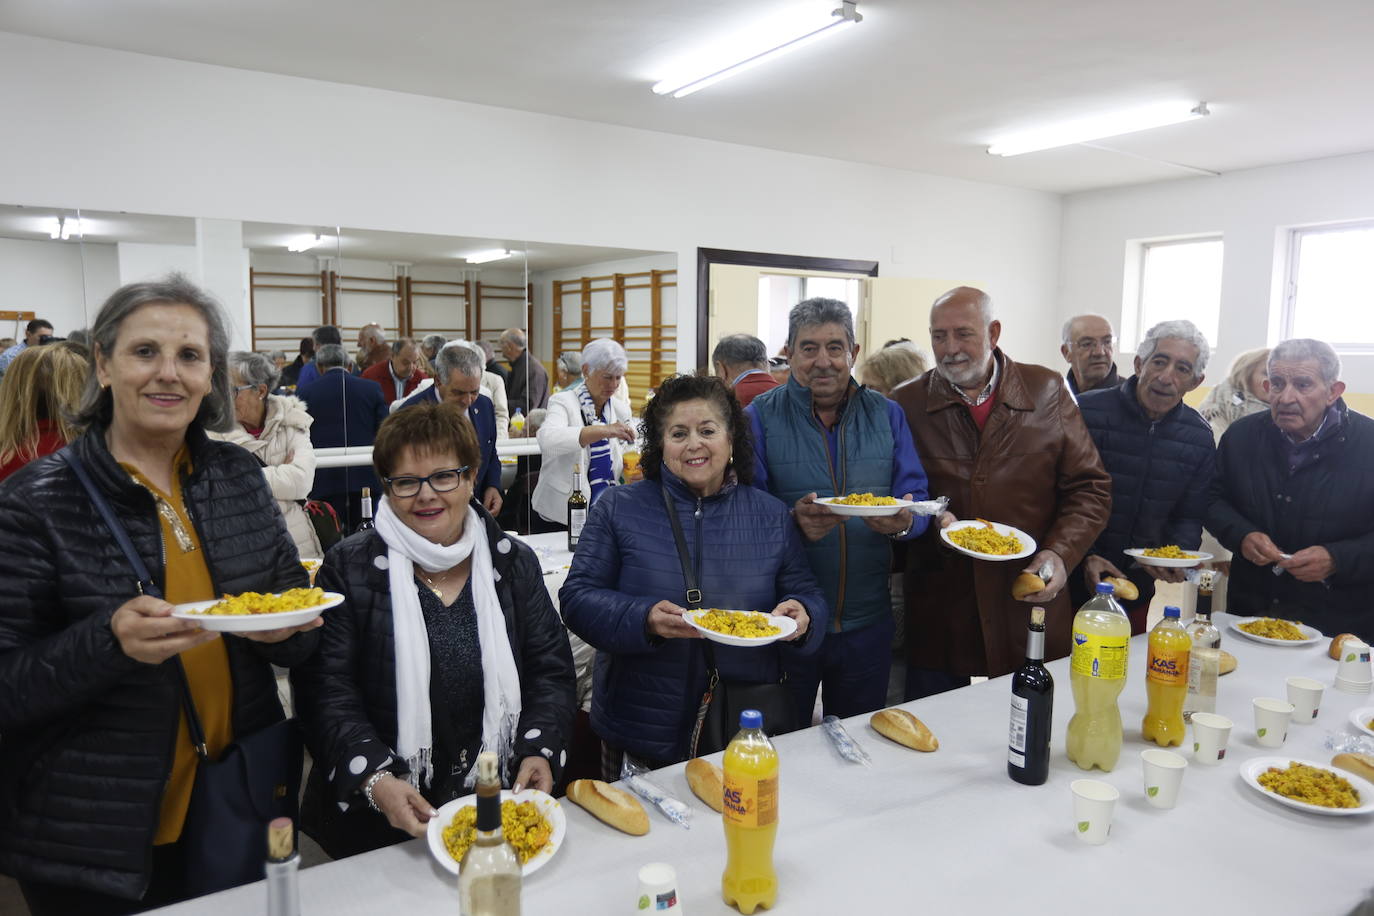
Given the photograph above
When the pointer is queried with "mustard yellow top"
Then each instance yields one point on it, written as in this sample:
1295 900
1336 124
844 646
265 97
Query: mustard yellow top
187 578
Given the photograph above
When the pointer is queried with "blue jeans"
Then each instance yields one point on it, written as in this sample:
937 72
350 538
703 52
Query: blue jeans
854 667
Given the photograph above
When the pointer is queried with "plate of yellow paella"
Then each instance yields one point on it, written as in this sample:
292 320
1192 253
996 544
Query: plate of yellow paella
985 540
864 504
255 611
740 628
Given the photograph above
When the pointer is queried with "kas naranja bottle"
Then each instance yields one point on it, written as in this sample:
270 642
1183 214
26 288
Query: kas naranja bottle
1097 672
1166 681
750 815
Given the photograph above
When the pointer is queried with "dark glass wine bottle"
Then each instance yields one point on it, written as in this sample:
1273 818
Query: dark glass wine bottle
577 509
365 510
1032 705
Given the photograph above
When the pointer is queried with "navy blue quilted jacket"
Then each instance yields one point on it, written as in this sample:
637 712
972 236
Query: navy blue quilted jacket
646 690
1161 471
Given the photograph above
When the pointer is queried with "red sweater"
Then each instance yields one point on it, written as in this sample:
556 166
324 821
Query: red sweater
49 440
381 374
753 385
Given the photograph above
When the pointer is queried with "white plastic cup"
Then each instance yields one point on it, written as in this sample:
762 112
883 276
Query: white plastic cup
1271 721
1210 734
1353 672
658 890
1163 771
1306 696
1093 802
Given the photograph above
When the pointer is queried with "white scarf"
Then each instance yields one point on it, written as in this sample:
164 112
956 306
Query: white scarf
500 680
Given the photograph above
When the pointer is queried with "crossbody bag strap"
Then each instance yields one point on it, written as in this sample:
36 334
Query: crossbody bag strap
144 582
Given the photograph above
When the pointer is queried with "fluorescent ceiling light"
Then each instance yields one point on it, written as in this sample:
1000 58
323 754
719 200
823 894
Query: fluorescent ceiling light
491 254
304 242
64 227
1098 128
758 47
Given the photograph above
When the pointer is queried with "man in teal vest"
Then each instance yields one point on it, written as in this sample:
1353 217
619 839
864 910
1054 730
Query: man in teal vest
822 434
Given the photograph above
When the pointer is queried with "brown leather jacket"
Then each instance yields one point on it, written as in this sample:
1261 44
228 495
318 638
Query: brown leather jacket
1034 466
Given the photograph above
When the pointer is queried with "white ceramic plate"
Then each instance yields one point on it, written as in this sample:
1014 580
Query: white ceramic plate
1027 542
1361 718
548 806
1197 558
786 627
1250 771
1311 634
252 623
863 511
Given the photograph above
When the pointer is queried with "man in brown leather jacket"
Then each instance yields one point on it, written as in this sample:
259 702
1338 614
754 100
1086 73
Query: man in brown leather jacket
1004 441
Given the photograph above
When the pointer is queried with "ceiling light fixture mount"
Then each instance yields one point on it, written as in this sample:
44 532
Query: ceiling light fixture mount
1084 130
688 82
304 242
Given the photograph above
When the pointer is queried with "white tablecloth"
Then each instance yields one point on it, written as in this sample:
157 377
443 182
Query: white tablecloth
948 832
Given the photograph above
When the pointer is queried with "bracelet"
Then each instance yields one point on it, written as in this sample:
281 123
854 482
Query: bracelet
905 531
368 786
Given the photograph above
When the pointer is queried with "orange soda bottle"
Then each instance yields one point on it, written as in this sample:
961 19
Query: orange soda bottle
750 816
1166 681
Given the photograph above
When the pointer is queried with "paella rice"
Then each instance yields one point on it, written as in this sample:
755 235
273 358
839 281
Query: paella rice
986 540
744 624
295 599
1270 628
1169 552
1310 784
522 823
864 499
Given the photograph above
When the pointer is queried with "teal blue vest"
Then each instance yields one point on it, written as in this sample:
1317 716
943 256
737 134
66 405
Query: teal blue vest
852 561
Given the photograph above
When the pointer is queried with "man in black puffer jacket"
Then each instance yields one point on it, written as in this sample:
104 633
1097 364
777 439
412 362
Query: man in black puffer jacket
1159 452
88 731
1294 498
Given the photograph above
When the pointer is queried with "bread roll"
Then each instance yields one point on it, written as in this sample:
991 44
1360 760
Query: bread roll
611 805
1335 650
1362 765
1227 663
1027 584
904 728
1125 588
707 781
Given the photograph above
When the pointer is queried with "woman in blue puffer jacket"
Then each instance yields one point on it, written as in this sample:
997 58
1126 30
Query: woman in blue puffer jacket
625 593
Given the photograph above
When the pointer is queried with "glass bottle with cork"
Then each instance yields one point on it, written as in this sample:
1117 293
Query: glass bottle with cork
577 509
489 875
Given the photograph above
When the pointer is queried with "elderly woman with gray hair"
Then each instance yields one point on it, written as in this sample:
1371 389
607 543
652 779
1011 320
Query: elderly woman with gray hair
587 427
275 429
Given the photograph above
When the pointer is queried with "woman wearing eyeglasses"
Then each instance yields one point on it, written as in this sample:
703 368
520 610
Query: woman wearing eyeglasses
447 644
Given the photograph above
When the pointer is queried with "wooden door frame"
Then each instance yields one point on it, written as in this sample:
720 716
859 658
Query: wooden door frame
708 256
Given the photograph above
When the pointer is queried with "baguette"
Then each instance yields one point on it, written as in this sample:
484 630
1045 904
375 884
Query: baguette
707 781
1361 765
904 728
1125 588
1026 584
610 805
1227 664
1335 650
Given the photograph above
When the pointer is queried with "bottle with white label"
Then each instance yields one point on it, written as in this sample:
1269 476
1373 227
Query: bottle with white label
1204 661
1032 705
577 509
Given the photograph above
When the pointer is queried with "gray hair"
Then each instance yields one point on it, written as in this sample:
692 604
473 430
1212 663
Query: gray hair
1179 329
605 355
330 356
276 354
982 300
1066 333
372 332
740 350
457 355
571 361
400 344
810 313
80 336
487 349
217 409
254 369
1303 349
435 342
326 334
514 336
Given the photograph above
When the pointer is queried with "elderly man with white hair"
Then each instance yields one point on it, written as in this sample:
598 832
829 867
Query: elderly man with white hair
1294 498
1160 454
587 426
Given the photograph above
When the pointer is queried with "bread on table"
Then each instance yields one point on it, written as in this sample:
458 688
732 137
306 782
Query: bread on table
1226 663
1361 765
610 805
1336 642
904 728
707 781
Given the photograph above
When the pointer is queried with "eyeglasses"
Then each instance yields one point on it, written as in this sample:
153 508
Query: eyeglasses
238 388
439 482
1088 344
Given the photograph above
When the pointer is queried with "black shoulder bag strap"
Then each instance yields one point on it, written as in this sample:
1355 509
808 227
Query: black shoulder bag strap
693 596
144 582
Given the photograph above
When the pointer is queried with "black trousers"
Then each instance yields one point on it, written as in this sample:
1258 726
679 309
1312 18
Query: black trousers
166 886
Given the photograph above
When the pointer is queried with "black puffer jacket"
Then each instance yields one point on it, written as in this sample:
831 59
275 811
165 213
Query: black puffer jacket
346 694
88 732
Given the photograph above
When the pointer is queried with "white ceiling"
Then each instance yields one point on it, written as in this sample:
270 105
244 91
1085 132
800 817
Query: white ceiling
920 84
33 223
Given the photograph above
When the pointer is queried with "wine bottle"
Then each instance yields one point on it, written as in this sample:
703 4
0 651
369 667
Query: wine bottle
365 510
283 862
577 509
1032 705
489 877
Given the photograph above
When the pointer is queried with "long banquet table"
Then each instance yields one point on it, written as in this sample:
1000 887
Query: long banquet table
948 832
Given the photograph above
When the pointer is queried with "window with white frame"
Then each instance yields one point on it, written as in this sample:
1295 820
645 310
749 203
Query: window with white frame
1331 285
1180 279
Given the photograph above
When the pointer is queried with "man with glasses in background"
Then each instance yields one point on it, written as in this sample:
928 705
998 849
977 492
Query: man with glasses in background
1088 345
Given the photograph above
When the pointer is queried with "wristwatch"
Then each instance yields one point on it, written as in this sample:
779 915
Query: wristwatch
905 531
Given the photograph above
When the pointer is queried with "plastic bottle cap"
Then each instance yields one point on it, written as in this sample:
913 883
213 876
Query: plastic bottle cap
751 718
1106 588
1171 611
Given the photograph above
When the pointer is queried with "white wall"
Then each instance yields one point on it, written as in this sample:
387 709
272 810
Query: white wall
1253 210
64 282
253 146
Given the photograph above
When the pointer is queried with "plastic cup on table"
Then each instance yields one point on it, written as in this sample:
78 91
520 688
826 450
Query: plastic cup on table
1353 673
1093 802
658 890
1163 771
1272 716
1210 734
1306 696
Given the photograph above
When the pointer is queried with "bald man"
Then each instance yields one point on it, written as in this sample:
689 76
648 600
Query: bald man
1088 347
